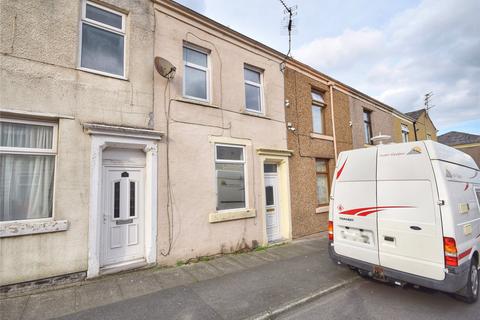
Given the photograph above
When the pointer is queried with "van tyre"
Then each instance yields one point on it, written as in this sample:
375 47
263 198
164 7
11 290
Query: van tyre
471 290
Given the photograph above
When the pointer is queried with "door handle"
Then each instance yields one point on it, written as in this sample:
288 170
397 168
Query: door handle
387 238
416 228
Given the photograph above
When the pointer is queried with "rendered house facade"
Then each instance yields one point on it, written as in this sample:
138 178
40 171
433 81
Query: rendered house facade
76 112
106 165
424 127
227 157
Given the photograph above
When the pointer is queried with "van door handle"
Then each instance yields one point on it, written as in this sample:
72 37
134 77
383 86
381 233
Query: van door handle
415 228
387 238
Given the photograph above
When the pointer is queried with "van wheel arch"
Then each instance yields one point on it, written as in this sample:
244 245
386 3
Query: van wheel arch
475 256
466 294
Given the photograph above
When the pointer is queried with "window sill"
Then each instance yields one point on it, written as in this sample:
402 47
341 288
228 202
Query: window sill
255 114
197 102
322 209
221 216
320 136
17 228
100 73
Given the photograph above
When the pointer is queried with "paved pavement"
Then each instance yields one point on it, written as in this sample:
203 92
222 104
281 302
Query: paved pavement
369 299
230 287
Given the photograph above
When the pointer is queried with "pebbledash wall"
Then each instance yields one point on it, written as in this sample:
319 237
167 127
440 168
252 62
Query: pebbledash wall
343 128
190 224
308 216
42 81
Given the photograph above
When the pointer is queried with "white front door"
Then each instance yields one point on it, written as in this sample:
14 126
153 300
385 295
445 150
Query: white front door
122 238
272 208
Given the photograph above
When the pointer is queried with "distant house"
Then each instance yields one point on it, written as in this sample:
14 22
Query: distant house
466 142
424 129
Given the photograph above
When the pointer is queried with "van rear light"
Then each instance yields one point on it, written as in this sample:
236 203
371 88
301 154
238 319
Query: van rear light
450 249
330 230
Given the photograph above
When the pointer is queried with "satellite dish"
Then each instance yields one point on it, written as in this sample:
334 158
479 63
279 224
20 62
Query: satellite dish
164 67
381 138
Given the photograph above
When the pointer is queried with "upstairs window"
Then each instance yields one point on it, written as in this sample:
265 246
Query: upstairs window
253 89
102 40
195 78
318 106
405 132
367 126
230 172
27 164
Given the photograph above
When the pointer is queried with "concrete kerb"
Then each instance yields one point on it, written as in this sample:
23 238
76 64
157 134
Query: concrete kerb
272 314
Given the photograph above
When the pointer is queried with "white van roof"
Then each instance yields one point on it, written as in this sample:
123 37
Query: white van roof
438 151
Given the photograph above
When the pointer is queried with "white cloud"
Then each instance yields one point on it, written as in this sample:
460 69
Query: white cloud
341 50
434 46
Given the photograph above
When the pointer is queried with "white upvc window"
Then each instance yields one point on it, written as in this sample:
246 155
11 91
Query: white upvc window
102 40
230 176
27 168
196 73
405 132
253 89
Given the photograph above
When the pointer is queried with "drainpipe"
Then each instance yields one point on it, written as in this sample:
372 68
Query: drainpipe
415 130
331 84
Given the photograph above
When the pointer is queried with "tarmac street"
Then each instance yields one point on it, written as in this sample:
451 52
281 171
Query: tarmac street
369 299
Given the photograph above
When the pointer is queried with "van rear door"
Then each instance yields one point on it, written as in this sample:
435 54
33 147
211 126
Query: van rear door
409 222
354 198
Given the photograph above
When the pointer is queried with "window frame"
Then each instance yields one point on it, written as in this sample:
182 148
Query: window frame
321 105
369 123
405 132
258 85
327 174
32 151
244 162
477 197
198 67
36 151
106 27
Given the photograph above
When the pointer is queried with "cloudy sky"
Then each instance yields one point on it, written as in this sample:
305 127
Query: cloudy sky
393 50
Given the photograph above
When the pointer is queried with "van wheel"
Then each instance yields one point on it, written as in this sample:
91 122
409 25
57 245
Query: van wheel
472 288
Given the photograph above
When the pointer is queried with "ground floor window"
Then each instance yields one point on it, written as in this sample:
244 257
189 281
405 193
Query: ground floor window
230 174
27 165
321 168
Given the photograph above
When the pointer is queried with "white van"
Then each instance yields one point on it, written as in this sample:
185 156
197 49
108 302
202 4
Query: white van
408 213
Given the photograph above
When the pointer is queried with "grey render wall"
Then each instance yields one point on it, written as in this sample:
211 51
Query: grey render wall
38 72
382 121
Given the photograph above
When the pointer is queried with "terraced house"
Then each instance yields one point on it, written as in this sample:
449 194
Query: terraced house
107 163
137 133
78 153
325 117
226 154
